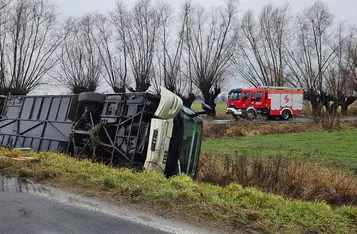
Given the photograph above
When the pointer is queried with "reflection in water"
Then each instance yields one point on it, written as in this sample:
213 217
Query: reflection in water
19 185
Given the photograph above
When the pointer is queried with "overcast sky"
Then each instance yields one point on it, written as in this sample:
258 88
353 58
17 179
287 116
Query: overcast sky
344 10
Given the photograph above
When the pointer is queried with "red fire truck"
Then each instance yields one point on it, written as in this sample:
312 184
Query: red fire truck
272 102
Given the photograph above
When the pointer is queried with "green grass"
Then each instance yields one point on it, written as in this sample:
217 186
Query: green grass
337 148
220 111
219 107
230 206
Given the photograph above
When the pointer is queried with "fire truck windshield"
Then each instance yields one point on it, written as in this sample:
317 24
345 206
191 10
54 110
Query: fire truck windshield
234 96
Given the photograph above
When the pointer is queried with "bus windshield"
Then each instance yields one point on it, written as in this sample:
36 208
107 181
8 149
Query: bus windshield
234 96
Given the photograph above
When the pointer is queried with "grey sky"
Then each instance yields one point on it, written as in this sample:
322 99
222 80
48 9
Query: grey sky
344 10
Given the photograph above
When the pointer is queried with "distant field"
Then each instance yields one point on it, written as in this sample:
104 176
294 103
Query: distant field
220 110
337 149
219 106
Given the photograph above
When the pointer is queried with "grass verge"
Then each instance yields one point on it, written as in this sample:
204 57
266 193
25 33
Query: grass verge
231 205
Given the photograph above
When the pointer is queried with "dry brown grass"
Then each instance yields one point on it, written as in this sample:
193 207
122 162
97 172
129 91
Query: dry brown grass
293 179
352 110
251 129
220 115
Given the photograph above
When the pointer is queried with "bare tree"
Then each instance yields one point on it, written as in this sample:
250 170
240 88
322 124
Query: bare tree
312 54
169 58
260 58
171 53
4 17
352 58
111 38
210 45
31 38
339 83
138 33
80 64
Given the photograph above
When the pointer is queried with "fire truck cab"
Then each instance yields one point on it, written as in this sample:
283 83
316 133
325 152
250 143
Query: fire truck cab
272 102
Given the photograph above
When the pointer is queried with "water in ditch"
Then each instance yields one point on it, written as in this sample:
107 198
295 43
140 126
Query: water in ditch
20 185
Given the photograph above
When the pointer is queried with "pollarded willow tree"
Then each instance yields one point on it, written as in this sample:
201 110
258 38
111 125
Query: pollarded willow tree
259 59
110 39
30 36
80 64
311 54
171 65
210 44
351 57
138 33
4 17
340 84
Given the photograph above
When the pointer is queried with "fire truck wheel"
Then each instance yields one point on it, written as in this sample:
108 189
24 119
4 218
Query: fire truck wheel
285 115
251 114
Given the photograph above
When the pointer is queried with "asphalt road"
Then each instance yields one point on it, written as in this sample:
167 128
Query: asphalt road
264 120
30 213
31 208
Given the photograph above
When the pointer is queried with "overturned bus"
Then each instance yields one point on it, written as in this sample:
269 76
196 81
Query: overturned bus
141 131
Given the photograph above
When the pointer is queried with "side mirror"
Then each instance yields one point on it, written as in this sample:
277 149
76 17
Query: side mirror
206 108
